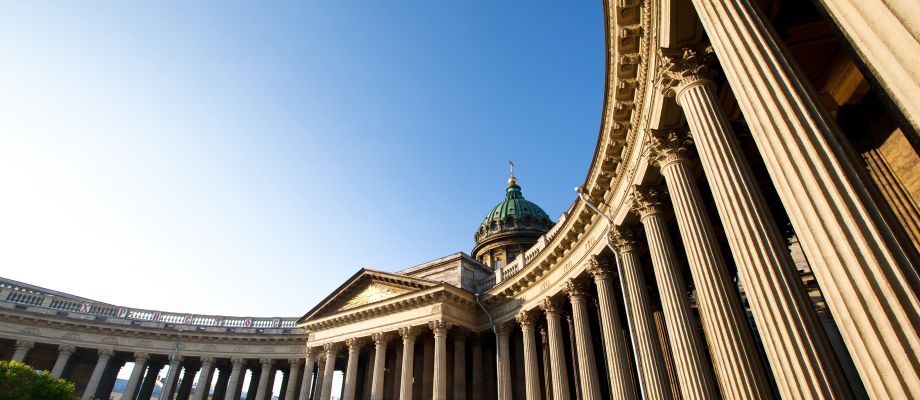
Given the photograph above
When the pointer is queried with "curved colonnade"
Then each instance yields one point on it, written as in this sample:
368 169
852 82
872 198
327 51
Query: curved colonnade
715 265
89 342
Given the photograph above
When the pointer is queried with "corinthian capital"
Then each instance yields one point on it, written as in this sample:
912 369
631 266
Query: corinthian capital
381 338
551 306
575 288
355 343
599 268
526 319
624 239
646 200
408 333
679 70
439 328
668 147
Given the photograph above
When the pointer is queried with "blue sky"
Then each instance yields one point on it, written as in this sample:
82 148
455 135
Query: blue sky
245 159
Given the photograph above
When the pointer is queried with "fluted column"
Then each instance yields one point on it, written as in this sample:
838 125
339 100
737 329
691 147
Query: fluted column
204 379
351 370
22 349
408 335
531 373
64 353
320 375
439 329
693 375
145 390
652 374
220 385
169 388
503 358
380 359
101 364
618 369
587 371
867 276
477 366
291 388
558 370
459 363
265 377
306 385
665 345
886 36
332 352
791 332
234 382
734 355
188 378
140 359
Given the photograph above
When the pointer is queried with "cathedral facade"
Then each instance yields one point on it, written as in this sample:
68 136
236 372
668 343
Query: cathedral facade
748 229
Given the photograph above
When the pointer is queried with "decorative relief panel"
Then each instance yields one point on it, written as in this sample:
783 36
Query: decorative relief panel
373 293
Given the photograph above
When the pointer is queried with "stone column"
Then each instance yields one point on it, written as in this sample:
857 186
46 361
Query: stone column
351 370
320 375
169 388
477 366
886 36
574 353
440 328
408 335
736 364
459 364
254 379
587 368
547 381
265 377
560 379
689 361
101 364
22 349
235 378
149 381
618 369
185 388
220 386
427 368
107 383
64 353
665 344
531 373
204 380
291 388
868 277
332 352
306 385
652 374
380 358
140 359
503 359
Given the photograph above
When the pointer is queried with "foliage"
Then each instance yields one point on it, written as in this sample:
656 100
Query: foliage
19 381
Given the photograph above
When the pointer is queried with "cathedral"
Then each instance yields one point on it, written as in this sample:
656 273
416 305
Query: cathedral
748 229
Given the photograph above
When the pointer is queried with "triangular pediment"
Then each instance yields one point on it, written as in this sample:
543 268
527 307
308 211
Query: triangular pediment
374 291
366 287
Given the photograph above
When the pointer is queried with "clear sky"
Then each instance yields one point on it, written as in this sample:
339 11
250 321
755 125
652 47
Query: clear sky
247 158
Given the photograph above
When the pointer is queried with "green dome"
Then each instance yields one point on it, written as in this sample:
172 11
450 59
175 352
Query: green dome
513 214
515 206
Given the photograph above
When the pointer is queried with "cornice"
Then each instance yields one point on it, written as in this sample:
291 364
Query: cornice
135 332
443 294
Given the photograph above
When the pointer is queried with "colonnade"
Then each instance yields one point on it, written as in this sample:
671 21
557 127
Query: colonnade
94 372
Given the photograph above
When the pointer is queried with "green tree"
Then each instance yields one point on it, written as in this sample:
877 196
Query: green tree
20 382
